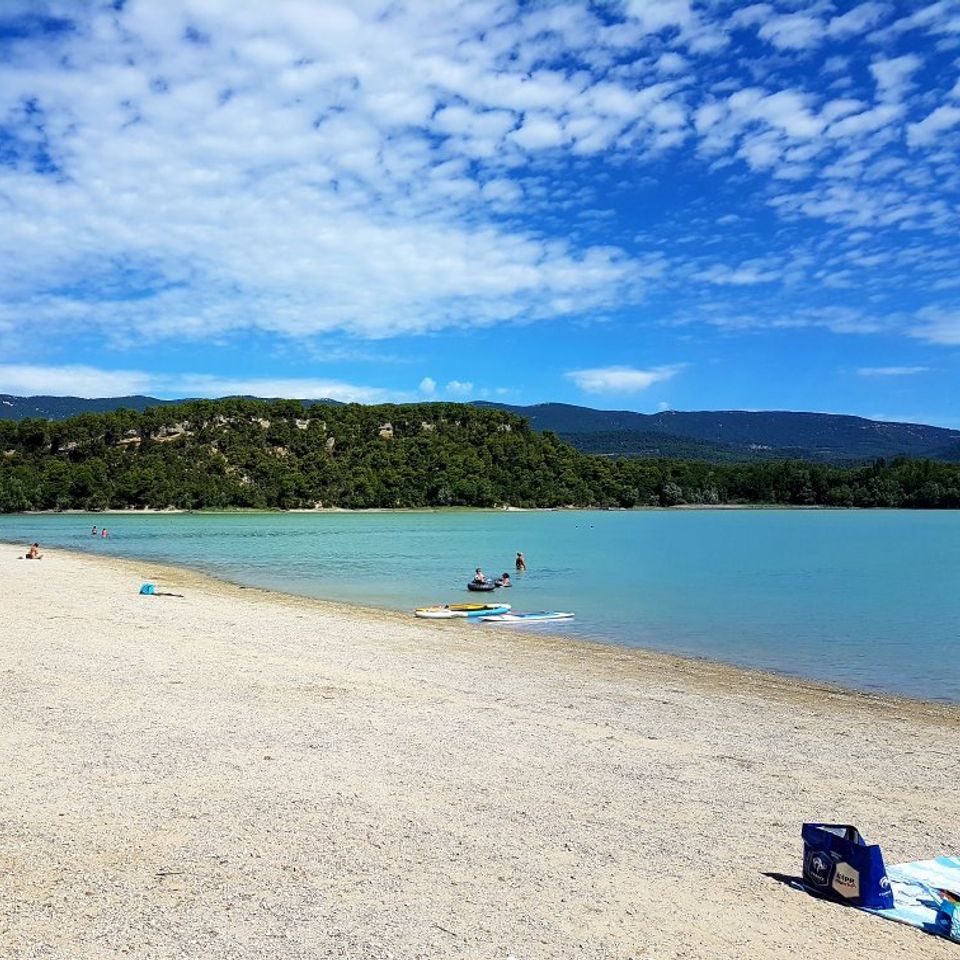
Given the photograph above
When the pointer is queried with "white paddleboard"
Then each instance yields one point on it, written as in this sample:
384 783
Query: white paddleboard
539 617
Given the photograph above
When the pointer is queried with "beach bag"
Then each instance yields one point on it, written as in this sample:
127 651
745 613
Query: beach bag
148 589
838 862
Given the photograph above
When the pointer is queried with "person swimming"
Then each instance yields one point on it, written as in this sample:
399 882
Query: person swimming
521 562
504 581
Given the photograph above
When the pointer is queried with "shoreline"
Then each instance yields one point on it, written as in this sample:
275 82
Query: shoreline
242 772
714 674
676 508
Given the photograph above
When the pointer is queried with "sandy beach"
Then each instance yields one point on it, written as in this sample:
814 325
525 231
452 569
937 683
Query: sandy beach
241 774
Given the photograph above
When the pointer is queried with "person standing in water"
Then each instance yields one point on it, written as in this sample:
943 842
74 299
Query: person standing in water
93 532
521 563
103 533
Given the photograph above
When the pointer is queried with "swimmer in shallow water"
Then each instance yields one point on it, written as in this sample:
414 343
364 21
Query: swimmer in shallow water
521 562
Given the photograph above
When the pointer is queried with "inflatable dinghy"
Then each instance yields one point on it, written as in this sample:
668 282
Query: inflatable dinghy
484 587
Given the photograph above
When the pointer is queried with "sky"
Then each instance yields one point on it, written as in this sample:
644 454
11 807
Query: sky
631 204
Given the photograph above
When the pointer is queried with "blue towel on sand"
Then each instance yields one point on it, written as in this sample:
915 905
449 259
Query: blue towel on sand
918 899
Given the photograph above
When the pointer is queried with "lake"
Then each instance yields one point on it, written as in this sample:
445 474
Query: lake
869 599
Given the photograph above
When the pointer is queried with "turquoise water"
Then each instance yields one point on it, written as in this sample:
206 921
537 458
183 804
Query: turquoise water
866 599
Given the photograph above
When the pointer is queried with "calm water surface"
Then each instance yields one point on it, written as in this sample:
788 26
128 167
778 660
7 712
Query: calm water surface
867 599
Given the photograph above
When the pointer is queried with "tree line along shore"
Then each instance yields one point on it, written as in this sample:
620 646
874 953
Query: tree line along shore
243 453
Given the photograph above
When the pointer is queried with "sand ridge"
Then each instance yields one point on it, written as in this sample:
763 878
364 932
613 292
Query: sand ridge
243 774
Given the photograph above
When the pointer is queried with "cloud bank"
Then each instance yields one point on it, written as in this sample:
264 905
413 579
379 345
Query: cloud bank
84 381
198 169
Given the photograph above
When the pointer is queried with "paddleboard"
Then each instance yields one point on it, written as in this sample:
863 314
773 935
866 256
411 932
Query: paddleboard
459 610
526 617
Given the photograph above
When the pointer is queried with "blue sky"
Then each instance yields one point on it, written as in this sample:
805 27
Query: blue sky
641 204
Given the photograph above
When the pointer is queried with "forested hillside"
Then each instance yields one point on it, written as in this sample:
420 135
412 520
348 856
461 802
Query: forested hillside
653 446
716 436
280 454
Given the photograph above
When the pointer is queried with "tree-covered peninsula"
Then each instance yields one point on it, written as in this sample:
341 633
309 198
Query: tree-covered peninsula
242 453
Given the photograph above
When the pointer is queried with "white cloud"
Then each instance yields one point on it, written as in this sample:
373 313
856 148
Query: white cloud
502 190
619 379
937 17
785 110
890 371
837 64
459 388
859 19
794 31
538 132
759 127
867 121
893 76
671 63
843 107
751 15
205 385
928 130
76 380
85 381
770 314
656 15
428 386
742 275
941 327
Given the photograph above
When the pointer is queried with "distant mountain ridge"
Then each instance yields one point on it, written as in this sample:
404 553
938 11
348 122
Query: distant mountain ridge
714 436
59 408
740 434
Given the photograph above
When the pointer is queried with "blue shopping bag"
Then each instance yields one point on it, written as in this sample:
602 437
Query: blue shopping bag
838 862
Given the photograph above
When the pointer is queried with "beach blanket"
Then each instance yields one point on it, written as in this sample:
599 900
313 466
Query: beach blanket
925 896
838 863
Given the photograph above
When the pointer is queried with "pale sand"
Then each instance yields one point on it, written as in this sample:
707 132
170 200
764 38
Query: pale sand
243 774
